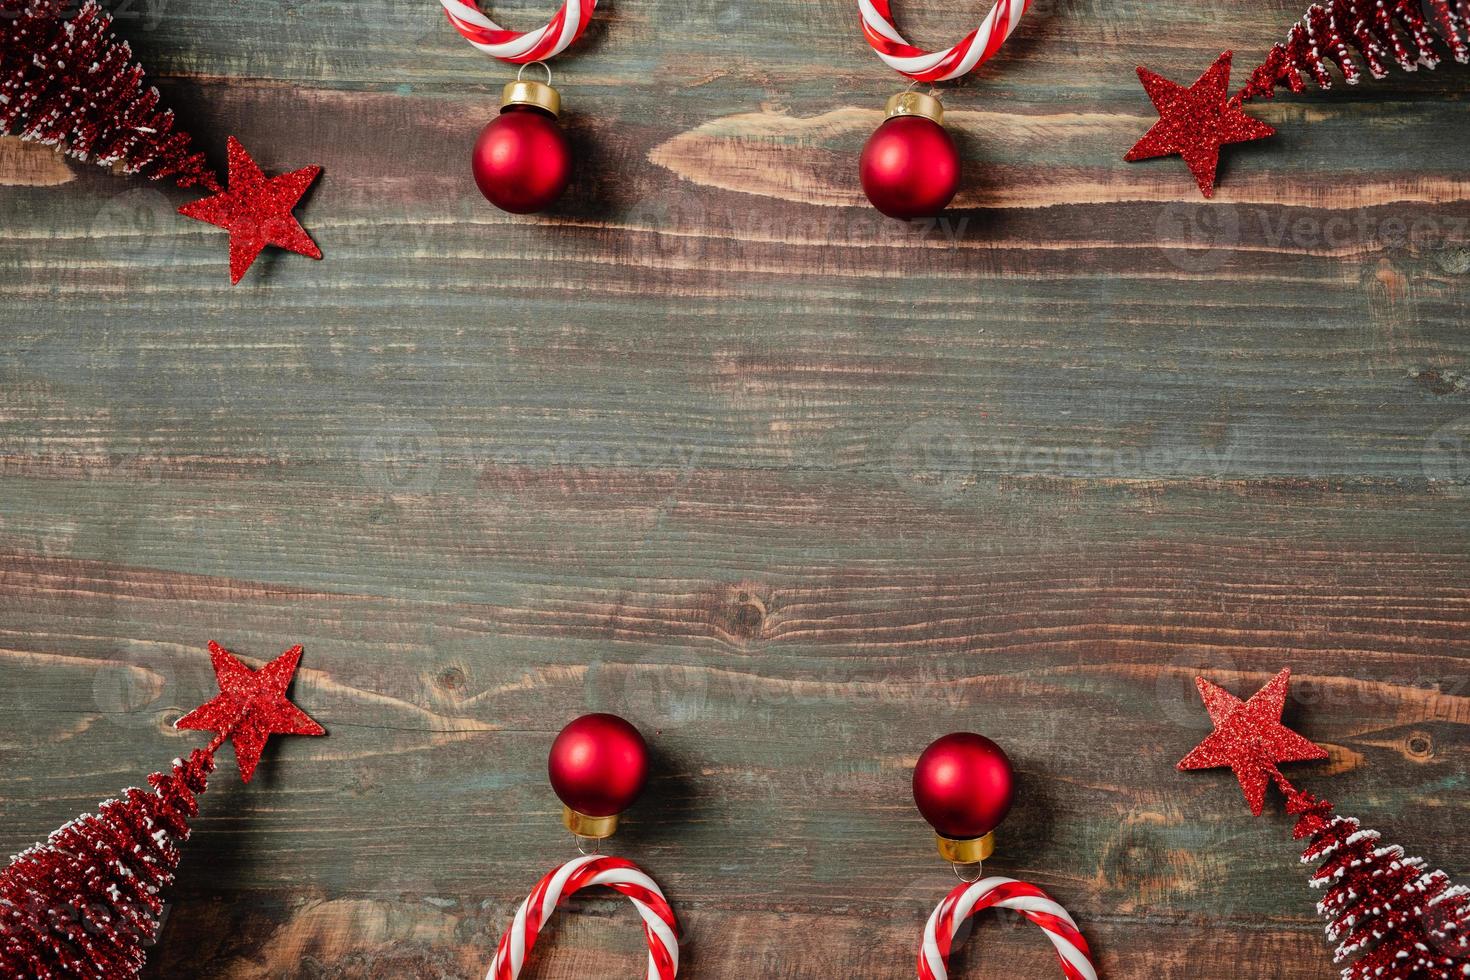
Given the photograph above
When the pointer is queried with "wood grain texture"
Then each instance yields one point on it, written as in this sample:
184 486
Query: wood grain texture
717 447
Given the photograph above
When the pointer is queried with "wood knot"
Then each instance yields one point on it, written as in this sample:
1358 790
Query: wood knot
738 612
451 679
750 613
1419 746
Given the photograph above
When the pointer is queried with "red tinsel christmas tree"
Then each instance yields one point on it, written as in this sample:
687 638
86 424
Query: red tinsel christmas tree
1399 918
85 904
68 83
1392 919
1380 31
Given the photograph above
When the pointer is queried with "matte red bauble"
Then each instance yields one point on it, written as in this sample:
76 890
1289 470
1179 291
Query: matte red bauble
910 167
964 785
598 765
522 160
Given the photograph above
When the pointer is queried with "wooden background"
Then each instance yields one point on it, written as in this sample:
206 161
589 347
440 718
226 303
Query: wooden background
716 447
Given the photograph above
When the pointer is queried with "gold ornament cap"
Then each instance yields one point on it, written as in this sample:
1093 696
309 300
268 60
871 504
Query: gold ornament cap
592 828
971 851
911 103
536 94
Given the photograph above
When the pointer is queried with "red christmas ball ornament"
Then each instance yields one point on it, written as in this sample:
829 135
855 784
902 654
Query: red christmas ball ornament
598 767
522 161
910 167
964 786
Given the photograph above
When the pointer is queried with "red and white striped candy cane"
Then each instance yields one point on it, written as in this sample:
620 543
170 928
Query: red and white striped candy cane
621 876
939 66
514 46
1007 893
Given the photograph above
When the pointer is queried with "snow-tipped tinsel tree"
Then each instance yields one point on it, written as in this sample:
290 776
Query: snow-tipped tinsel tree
68 82
1380 32
1391 916
83 905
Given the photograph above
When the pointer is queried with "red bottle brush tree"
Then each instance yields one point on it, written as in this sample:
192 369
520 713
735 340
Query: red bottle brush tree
68 82
86 903
1391 918
1379 32
1389 914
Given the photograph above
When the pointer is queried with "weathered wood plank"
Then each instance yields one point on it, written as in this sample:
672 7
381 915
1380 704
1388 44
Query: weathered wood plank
715 447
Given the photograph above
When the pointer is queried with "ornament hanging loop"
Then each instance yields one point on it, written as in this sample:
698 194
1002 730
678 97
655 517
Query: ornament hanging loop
962 872
931 90
541 64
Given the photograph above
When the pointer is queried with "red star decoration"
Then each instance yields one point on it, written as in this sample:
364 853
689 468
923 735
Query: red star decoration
257 210
251 706
1249 737
1195 122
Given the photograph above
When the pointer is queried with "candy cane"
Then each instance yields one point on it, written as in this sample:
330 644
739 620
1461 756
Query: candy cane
1007 893
938 66
516 47
585 872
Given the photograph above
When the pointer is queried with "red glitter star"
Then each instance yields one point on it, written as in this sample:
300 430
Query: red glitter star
1195 122
257 210
1249 737
251 706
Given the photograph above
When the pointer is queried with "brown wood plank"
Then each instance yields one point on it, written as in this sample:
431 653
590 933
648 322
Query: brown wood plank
714 446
